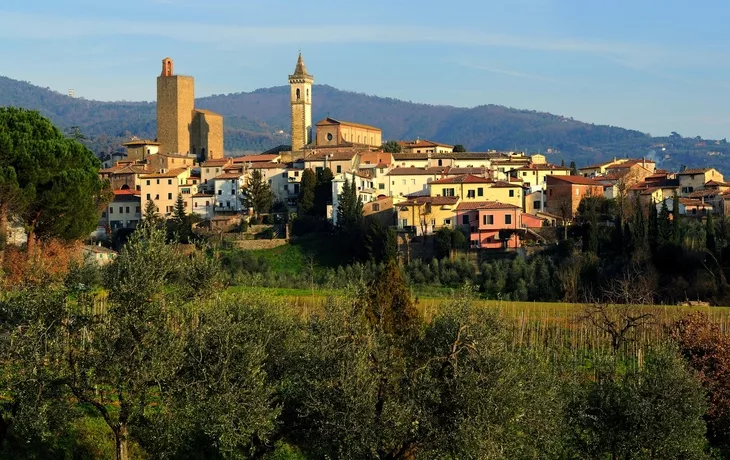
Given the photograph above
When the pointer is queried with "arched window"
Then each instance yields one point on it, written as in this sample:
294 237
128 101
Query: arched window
307 95
299 95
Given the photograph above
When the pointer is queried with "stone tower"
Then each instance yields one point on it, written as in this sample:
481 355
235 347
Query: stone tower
300 83
175 105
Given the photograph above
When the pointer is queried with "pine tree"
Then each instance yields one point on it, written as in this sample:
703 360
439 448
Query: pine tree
178 214
256 194
307 188
151 217
349 208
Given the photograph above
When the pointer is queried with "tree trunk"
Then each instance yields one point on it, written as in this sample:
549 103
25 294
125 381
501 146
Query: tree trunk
121 436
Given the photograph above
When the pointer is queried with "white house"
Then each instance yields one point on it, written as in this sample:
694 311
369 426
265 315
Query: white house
227 190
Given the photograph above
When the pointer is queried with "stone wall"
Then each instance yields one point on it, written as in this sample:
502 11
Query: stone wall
175 104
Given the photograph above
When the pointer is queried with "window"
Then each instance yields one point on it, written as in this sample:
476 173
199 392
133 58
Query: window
465 219
136 209
233 192
121 210
299 94
148 182
536 204
433 222
381 186
158 181
577 192
169 196
339 169
448 192
480 191
488 219
220 192
447 221
508 219
296 173
111 210
296 189
524 173
441 162
286 187
126 210
511 193
207 203
376 207
470 194
149 197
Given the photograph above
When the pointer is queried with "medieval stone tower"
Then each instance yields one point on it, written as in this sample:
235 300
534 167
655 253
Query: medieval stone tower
175 105
301 106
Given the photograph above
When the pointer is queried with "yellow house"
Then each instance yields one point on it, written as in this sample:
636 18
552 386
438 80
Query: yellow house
695 179
534 174
212 168
140 149
163 188
426 214
412 160
424 146
404 181
331 132
338 162
169 161
474 188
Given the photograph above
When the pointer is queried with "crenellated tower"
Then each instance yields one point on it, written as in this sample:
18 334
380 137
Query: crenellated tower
300 83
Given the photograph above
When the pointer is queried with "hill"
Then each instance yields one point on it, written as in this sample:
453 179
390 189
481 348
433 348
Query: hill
258 120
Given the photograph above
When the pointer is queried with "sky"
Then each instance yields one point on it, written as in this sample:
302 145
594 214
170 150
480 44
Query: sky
642 64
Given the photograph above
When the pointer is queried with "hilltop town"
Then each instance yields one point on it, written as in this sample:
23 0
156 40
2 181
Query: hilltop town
417 186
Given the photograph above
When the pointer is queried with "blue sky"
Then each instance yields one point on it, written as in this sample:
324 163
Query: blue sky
642 64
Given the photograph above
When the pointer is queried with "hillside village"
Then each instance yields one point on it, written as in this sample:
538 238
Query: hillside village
419 186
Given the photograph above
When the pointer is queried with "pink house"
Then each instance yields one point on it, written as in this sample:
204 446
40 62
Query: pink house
485 220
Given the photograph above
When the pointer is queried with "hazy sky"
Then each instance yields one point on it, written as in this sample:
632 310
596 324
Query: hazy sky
643 64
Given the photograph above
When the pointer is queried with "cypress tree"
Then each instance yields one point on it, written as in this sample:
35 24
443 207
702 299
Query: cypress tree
710 241
664 225
653 228
676 238
305 201
639 225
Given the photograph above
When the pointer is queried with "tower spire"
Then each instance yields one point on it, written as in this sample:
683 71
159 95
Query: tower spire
300 69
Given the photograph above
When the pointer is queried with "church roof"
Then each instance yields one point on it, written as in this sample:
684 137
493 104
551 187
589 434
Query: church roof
331 121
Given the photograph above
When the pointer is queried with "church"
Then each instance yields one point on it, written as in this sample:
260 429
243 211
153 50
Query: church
330 134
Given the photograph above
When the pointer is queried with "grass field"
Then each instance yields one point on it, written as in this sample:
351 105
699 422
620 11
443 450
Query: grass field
295 257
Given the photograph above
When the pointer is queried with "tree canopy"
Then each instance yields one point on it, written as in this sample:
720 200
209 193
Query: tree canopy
52 181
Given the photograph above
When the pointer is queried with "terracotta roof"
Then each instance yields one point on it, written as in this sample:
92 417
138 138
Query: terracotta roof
216 162
331 121
503 184
256 158
203 195
228 176
577 180
597 165
693 202
267 166
703 193
474 205
410 156
172 155
433 200
412 171
126 192
170 173
714 183
543 166
462 171
422 143
141 142
465 179
694 171
331 156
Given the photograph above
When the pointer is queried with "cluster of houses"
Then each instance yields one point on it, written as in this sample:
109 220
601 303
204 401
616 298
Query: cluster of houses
499 198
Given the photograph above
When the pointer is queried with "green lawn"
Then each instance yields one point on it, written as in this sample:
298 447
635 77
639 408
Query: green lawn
295 257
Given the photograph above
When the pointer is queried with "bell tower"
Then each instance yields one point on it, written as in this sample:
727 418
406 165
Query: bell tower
175 103
300 83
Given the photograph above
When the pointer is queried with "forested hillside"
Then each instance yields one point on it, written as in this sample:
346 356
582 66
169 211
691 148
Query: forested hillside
259 120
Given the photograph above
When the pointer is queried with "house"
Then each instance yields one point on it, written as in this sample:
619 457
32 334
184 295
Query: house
491 224
696 178
140 149
424 215
124 211
125 175
412 160
337 161
166 161
475 188
99 255
564 193
203 205
533 175
405 181
276 175
424 146
382 210
687 206
162 189
228 192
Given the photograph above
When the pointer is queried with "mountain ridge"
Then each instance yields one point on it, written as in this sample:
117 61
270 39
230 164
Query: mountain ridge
258 120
